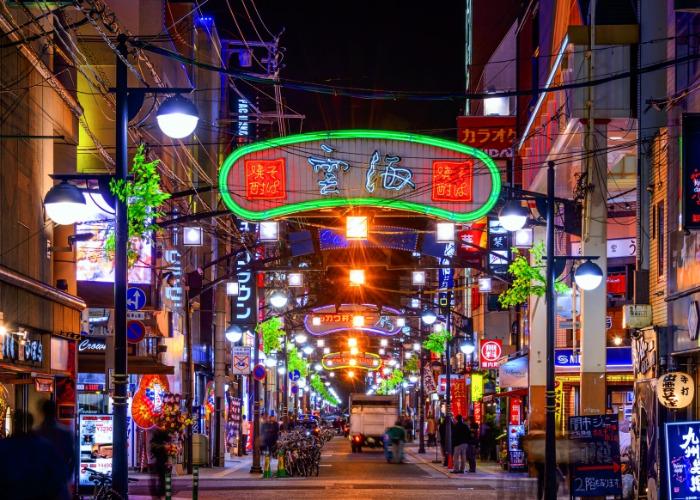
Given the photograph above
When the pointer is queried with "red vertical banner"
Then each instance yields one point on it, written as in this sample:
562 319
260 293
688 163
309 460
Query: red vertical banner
478 415
514 411
458 393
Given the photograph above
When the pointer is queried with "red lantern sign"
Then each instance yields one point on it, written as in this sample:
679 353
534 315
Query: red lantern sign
490 353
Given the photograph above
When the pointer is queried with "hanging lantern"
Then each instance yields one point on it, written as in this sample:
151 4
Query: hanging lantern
675 390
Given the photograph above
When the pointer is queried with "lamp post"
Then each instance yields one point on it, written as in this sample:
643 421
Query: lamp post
588 276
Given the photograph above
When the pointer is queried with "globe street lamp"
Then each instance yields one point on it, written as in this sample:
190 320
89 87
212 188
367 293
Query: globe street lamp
513 215
234 334
64 203
428 317
177 117
588 276
467 347
278 299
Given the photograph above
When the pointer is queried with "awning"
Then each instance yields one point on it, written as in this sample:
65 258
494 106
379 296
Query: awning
139 365
507 394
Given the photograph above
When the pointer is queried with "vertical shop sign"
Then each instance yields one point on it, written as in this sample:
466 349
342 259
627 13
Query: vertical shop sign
594 456
458 390
95 446
499 248
514 411
690 182
683 460
477 387
490 352
558 404
478 415
246 305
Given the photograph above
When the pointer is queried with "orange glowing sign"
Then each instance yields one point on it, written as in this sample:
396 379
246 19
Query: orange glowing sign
452 180
265 179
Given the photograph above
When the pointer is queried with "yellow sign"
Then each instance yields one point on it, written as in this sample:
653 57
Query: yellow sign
477 384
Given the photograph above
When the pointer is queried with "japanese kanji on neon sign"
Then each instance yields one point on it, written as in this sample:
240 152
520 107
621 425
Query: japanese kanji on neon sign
371 168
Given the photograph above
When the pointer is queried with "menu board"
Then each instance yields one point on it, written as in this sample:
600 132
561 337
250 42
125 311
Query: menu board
595 456
683 460
233 424
516 455
95 445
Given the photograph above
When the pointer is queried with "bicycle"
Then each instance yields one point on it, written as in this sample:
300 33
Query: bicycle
103 485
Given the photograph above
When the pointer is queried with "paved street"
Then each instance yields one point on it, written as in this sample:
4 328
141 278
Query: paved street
363 475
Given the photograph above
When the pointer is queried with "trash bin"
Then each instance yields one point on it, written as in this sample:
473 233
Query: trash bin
200 449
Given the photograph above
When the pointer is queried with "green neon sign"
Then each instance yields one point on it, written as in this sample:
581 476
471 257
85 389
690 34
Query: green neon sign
285 146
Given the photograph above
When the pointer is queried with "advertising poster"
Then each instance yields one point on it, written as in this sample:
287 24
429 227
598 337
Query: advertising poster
594 455
683 460
516 455
95 445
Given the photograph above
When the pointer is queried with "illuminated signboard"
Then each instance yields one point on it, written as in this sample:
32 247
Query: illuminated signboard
325 320
362 360
372 168
494 135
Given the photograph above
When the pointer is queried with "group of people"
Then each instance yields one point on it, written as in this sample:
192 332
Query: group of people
37 463
464 441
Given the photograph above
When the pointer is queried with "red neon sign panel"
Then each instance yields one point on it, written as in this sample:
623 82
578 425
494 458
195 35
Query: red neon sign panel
452 180
265 179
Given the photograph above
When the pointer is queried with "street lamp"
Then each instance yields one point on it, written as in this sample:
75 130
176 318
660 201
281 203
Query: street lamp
588 276
300 338
308 350
513 215
467 347
234 333
232 288
64 203
177 117
278 299
429 317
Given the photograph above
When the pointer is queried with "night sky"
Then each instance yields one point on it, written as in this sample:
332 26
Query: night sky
384 44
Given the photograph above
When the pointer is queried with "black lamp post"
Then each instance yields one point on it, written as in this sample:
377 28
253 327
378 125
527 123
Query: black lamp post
588 276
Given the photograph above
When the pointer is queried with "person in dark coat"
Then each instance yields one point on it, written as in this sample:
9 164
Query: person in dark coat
269 432
460 440
159 465
62 441
442 428
30 467
472 444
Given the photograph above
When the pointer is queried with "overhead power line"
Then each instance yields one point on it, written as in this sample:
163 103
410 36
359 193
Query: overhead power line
380 94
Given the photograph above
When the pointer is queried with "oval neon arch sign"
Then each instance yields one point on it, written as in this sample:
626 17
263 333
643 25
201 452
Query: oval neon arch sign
371 168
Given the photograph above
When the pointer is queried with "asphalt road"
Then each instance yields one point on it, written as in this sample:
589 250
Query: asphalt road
366 475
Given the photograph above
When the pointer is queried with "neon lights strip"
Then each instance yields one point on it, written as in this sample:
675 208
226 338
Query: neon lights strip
304 206
368 329
555 68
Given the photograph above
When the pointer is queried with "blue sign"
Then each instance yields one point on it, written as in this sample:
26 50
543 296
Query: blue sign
259 372
294 375
396 238
135 299
295 389
594 456
683 460
135 331
617 357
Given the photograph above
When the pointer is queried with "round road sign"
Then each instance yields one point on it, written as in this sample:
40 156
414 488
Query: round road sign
135 331
259 372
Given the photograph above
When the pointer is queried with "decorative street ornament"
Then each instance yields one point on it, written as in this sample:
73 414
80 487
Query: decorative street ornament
354 168
326 320
675 390
147 403
362 360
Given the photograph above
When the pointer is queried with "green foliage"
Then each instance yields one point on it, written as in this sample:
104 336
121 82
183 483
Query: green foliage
271 331
411 365
143 197
436 341
320 388
295 361
391 382
528 279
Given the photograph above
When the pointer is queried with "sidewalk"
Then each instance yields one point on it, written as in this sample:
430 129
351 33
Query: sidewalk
484 470
234 468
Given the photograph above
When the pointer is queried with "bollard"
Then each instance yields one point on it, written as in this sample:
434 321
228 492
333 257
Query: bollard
267 473
168 486
195 482
281 469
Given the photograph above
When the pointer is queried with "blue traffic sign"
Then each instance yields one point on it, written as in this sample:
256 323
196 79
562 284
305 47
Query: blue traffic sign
135 331
295 389
259 372
135 299
294 375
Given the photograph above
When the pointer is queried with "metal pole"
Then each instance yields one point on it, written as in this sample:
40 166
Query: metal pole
120 466
189 386
421 408
285 383
550 455
448 375
255 465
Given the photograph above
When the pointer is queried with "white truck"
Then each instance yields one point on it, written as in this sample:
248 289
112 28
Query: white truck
369 418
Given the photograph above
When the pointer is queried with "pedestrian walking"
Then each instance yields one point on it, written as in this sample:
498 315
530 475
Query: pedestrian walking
269 432
397 437
30 468
460 440
432 429
472 444
245 432
61 439
159 462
